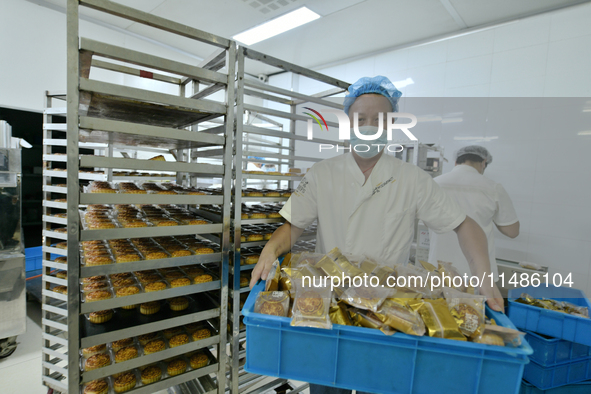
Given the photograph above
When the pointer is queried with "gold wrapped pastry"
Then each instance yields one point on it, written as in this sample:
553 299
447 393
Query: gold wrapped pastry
400 317
508 335
329 267
490 339
339 315
285 282
370 298
383 273
437 318
275 303
448 272
348 268
272 282
310 308
468 311
368 266
470 321
367 319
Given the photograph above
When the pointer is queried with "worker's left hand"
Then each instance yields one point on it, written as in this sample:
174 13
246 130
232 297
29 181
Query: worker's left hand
493 297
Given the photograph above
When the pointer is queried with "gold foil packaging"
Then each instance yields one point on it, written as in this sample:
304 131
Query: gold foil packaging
368 319
438 321
272 282
468 310
558 306
399 316
366 297
339 315
448 272
368 266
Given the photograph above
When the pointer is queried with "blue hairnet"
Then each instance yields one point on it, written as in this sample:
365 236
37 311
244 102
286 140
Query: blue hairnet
255 157
378 85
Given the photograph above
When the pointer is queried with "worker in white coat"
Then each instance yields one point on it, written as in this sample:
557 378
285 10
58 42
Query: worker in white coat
366 201
483 199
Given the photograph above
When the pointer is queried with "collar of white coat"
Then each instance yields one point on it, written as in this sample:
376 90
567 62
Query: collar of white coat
465 167
356 172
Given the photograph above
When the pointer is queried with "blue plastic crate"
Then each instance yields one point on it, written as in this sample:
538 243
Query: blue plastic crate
543 321
367 360
33 258
559 375
551 351
577 388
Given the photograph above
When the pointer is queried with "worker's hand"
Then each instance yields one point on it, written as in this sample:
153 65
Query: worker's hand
263 267
493 297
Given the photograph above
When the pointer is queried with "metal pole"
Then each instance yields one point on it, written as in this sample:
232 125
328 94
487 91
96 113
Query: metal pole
73 98
235 345
227 190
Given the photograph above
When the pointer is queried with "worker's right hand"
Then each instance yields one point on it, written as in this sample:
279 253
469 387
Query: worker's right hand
263 267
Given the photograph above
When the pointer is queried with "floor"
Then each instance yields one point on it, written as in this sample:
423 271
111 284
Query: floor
21 372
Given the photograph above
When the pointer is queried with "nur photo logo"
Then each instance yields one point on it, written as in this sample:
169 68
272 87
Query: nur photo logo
345 129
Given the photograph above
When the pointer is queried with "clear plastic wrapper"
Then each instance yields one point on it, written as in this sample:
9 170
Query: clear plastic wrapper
275 303
311 305
368 319
383 273
509 336
398 315
366 297
438 320
413 278
368 266
306 258
348 268
447 269
468 310
272 281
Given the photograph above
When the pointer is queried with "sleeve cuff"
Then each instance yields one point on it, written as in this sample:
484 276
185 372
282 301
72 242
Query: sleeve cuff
452 226
286 215
507 224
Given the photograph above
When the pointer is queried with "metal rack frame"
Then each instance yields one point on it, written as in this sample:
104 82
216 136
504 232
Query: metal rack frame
100 113
292 100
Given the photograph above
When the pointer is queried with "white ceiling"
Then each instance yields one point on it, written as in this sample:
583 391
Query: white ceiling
348 28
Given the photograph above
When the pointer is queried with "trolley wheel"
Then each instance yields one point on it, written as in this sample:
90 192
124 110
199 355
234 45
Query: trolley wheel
4 352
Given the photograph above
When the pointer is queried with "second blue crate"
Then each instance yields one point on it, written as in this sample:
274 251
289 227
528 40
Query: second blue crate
551 351
558 375
547 322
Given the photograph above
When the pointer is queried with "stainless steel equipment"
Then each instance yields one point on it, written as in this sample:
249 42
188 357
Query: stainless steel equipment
12 258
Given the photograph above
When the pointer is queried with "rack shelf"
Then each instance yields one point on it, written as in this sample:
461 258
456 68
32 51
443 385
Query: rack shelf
108 118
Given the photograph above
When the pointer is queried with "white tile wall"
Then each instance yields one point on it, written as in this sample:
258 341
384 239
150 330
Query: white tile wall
519 63
467 72
471 45
528 32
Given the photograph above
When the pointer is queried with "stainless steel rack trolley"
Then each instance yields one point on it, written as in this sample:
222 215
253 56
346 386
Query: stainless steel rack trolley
111 118
275 147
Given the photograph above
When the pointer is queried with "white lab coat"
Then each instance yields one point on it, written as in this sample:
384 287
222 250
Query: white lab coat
375 219
483 200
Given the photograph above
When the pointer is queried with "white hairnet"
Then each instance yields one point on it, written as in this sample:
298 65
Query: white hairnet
477 150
